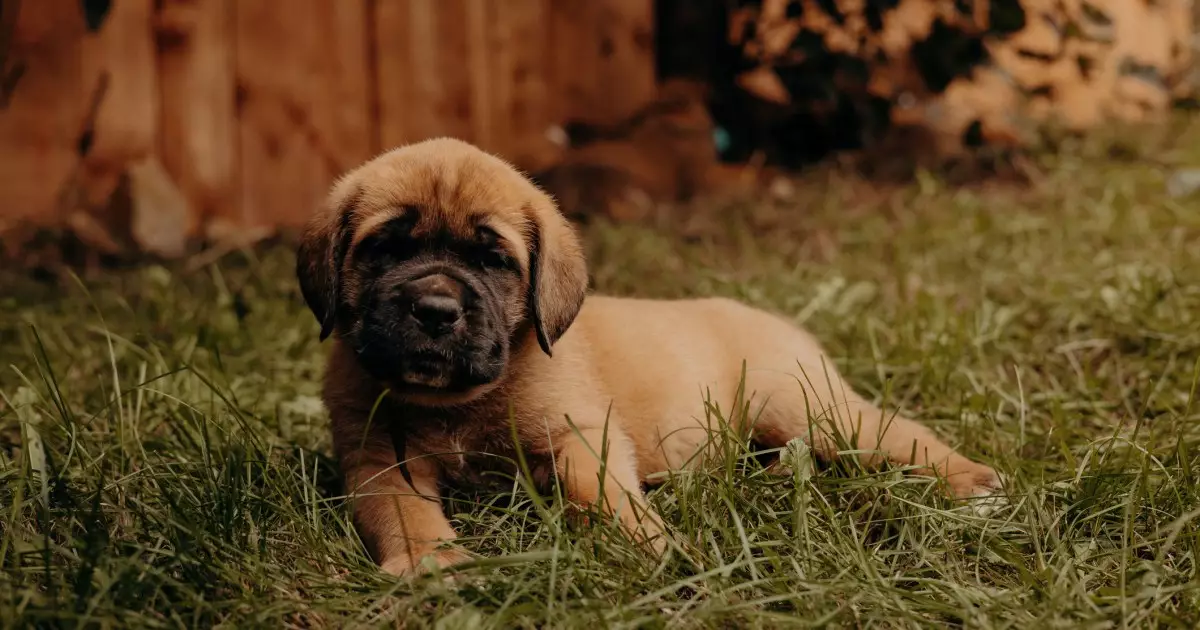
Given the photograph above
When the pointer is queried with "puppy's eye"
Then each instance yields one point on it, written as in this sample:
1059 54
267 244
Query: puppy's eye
490 252
486 236
407 219
393 240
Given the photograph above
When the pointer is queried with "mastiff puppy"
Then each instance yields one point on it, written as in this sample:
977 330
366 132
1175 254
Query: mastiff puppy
456 294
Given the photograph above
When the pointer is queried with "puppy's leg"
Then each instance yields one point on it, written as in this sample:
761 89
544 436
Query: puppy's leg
400 523
582 470
864 426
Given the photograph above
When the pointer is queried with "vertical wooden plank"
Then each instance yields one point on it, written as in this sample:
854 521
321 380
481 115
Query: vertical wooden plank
497 71
480 74
603 54
424 68
395 38
198 129
302 100
520 68
500 72
449 96
575 61
625 73
123 55
121 132
472 69
340 119
40 123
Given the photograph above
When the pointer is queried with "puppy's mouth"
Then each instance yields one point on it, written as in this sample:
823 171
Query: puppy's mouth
428 369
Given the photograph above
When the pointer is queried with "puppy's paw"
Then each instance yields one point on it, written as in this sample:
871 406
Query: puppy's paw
405 565
654 536
647 528
981 485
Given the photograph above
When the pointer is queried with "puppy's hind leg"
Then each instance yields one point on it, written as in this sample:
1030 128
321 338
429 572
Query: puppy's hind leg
793 405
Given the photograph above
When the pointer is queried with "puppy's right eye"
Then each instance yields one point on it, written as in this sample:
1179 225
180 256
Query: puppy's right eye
399 228
486 236
407 219
391 242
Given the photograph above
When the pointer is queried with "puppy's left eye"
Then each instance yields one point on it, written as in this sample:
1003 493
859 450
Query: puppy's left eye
486 236
491 253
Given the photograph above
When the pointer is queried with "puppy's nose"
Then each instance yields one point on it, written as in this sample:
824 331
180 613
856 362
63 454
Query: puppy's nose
437 314
436 301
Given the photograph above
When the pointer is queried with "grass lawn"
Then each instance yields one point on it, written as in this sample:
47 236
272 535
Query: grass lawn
1051 330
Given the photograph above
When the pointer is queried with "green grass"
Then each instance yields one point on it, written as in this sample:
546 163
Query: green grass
164 458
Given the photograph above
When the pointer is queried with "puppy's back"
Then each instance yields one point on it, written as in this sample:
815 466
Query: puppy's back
687 345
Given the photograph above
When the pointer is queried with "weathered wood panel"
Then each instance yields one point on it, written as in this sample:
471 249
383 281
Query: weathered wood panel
41 121
625 68
302 102
521 98
198 128
575 60
500 72
394 43
252 107
424 69
603 57
122 56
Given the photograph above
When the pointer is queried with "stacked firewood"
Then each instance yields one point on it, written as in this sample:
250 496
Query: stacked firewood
972 72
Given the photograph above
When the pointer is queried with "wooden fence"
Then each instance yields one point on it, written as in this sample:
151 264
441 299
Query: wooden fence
253 106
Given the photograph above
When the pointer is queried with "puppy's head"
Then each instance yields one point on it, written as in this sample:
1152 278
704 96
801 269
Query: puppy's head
434 262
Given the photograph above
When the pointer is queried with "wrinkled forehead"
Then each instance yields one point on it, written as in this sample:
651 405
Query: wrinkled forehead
442 193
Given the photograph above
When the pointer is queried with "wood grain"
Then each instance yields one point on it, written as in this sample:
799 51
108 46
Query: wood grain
40 124
574 45
424 69
302 100
123 54
472 69
521 100
625 58
253 106
198 127
603 58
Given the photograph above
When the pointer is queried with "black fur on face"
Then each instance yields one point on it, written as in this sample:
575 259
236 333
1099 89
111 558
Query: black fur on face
432 312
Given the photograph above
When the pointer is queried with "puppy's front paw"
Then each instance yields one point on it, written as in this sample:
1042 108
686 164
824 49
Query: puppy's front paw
405 565
979 484
646 527
652 533
975 480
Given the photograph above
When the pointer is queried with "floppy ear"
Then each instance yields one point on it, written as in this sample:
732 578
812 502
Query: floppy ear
557 274
319 261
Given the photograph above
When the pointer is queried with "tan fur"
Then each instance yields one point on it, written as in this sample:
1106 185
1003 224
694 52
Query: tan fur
644 367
